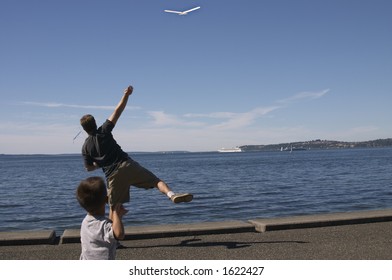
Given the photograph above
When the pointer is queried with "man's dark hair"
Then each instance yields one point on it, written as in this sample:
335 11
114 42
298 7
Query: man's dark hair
91 194
88 123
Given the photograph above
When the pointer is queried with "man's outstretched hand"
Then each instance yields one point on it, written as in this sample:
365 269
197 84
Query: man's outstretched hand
128 91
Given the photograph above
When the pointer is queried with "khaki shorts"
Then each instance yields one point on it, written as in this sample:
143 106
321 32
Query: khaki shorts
129 173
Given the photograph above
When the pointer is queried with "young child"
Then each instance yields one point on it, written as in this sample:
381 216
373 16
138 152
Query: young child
98 234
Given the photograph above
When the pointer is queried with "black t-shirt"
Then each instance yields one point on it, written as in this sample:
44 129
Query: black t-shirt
103 149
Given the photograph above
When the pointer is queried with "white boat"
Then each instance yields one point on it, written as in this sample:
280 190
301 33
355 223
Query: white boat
230 150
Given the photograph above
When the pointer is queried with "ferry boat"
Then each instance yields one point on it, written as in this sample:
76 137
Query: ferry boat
230 150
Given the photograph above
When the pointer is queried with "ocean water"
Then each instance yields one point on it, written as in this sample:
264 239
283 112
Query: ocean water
38 191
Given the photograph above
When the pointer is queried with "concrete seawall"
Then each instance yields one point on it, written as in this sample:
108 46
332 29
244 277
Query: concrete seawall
224 227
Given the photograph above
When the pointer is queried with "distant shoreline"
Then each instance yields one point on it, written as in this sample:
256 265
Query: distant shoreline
318 145
300 145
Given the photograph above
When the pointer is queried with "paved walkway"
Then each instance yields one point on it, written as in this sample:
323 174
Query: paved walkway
358 236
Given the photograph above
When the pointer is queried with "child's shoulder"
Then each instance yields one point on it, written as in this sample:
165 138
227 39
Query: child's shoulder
95 219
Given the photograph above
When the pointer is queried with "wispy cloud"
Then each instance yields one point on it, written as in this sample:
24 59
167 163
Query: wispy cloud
58 105
228 120
230 115
304 95
239 120
247 118
213 115
160 118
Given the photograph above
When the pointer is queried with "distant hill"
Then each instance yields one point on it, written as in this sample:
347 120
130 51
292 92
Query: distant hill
318 144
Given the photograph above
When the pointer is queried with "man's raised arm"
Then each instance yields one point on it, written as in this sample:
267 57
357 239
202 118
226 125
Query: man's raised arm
121 105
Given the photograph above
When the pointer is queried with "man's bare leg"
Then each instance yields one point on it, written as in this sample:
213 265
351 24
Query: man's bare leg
163 187
176 198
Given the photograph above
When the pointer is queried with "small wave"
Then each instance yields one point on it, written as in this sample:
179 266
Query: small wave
6 206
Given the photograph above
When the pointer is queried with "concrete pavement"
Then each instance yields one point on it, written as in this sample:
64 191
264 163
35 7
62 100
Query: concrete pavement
358 235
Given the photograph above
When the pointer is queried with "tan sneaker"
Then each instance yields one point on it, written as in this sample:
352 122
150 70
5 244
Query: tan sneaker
182 197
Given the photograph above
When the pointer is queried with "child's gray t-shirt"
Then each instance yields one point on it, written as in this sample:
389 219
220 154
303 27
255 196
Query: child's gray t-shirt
97 238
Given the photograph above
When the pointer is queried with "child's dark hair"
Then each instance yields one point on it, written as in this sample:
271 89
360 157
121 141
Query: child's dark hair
91 194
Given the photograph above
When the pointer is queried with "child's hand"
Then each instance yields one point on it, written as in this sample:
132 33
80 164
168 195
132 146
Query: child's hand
120 210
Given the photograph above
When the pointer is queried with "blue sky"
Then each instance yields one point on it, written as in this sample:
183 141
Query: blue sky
231 73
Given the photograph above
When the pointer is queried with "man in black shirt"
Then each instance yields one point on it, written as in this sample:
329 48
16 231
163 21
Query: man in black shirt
100 150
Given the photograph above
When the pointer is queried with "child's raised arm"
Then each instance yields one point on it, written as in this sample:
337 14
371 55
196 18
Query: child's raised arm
118 211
